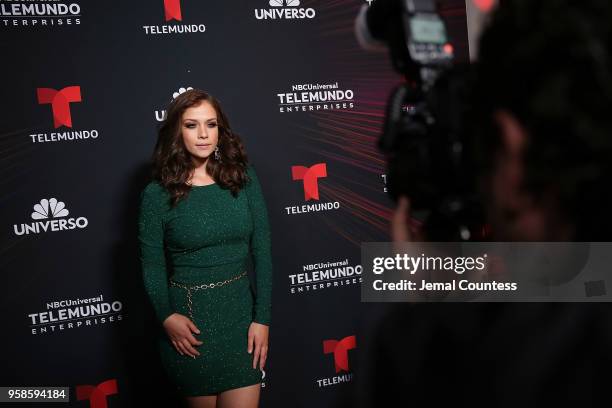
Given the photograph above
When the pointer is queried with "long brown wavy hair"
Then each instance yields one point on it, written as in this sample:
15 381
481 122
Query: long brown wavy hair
172 162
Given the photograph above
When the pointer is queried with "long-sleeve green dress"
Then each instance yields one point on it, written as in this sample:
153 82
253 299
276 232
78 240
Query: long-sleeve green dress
206 238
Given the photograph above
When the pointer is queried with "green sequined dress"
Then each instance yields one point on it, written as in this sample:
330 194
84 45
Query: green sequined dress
207 238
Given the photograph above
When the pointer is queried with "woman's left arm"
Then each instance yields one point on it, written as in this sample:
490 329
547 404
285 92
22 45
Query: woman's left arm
262 255
261 249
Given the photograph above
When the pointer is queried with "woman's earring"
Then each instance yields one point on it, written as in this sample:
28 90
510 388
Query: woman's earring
217 154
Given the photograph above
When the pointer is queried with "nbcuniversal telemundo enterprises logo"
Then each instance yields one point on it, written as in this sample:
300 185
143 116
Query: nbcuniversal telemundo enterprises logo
67 314
39 13
60 102
173 17
309 176
50 215
315 97
284 10
318 276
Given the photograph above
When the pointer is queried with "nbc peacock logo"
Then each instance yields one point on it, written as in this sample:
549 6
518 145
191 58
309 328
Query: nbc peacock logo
160 115
50 215
281 3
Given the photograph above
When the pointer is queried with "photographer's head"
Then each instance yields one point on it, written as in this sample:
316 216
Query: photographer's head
544 92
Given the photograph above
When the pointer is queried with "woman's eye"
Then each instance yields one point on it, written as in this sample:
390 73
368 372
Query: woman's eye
190 126
212 125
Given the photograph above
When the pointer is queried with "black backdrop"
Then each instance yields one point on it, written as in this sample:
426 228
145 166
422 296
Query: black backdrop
126 69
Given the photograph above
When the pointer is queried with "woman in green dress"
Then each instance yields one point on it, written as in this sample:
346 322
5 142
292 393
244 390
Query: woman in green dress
200 219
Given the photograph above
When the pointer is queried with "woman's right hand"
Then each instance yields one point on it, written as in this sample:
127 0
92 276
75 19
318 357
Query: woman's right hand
179 328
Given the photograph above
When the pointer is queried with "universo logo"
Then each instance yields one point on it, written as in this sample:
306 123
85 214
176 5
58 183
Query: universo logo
49 216
284 9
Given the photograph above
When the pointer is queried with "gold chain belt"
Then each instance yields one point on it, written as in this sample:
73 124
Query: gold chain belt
203 286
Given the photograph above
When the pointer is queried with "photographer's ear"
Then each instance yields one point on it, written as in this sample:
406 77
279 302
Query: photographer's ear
513 135
509 159
508 172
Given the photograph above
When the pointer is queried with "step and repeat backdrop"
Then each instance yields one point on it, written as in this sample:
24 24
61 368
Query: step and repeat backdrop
85 88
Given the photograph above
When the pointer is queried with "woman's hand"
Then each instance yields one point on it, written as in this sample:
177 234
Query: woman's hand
179 328
258 340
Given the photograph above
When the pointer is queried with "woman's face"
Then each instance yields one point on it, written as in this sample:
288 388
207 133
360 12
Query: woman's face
200 130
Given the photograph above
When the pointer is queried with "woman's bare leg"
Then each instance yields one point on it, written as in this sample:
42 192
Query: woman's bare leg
243 397
205 401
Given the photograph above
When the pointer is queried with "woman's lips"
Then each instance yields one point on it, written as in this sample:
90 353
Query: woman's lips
204 146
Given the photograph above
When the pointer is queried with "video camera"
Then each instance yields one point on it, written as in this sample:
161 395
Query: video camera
426 141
